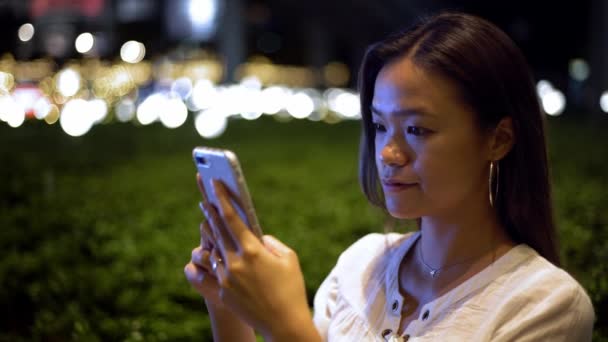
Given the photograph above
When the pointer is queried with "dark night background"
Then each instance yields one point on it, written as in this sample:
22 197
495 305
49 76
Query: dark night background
549 32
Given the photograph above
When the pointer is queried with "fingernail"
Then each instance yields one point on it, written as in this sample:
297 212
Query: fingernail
204 208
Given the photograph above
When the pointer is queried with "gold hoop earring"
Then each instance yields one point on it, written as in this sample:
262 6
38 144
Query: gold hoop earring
493 194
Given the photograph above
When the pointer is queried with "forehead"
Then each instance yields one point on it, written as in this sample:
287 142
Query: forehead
402 85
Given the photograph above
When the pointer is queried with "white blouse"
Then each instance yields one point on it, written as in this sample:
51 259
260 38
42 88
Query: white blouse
519 297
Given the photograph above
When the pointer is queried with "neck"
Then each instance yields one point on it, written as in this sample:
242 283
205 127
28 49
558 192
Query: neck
448 240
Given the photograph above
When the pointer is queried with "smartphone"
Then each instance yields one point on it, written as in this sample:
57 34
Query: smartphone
223 165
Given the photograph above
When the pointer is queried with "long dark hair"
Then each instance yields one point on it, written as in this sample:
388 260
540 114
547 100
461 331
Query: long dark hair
494 80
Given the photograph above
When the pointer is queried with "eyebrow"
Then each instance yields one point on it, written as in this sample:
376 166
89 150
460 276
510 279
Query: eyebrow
404 112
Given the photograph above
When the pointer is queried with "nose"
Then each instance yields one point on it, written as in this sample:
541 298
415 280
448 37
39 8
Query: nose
392 155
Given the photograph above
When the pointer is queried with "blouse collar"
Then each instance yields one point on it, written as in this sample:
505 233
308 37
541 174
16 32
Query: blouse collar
394 299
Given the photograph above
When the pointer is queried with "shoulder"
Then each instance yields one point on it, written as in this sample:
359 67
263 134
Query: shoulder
342 298
360 261
539 296
369 247
536 277
362 268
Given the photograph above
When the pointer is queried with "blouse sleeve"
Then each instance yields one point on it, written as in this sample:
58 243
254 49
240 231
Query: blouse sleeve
565 314
326 298
325 303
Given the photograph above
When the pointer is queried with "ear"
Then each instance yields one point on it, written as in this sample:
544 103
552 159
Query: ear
502 139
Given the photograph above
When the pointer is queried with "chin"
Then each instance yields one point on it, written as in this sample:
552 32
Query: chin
401 212
403 216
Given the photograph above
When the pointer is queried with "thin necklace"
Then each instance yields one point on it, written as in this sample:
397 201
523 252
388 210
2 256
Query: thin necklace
434 271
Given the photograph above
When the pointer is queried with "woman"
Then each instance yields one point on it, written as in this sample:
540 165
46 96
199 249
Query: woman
453 136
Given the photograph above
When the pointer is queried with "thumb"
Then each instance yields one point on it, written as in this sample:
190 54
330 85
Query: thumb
275 246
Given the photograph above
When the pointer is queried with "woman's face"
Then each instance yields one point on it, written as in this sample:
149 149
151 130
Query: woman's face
430 155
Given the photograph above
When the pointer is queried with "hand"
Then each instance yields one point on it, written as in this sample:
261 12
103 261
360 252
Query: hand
199 271
261 282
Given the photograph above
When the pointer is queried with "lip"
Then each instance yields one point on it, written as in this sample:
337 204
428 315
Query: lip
391 185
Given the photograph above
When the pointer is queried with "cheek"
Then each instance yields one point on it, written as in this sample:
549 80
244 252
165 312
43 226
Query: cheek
449 173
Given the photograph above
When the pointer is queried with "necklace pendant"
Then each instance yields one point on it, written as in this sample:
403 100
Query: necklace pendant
433 273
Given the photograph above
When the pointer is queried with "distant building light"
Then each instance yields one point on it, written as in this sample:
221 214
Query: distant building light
347 104
98 109
274 99
149 110
579 69
84 42
53 115
543 87
604 101
68 82
42 108
26 32
182 87
132 51
554 102
210 123
300 105
202 12
251 82
125 110
26 97
203 95
173 113
11 111
7 81
76 119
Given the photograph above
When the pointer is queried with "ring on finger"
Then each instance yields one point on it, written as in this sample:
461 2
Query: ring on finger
215 261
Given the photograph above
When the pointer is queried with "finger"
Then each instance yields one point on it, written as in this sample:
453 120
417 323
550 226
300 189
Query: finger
200 257
204 239
277 247
218 266
198 278
201 188
237 229
207 240
222 241
193 273
196 257
210 228
205 261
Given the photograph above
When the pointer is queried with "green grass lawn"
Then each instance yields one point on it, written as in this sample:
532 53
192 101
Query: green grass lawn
95 231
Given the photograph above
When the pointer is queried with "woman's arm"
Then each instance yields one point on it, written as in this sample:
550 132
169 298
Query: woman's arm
225 324
297 328
228 327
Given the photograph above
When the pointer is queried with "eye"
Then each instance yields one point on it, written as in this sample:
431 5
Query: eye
379 127
417 131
